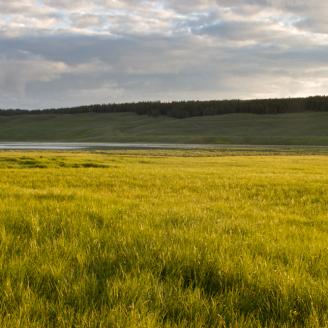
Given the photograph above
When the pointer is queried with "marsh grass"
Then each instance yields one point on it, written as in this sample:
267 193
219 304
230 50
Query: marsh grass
119 240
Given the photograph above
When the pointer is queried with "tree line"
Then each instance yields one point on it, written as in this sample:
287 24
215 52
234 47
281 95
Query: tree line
184 109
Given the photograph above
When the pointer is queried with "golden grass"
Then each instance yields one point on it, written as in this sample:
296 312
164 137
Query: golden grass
142 240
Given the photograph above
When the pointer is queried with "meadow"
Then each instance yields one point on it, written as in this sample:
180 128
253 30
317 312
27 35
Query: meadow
163 239
306 128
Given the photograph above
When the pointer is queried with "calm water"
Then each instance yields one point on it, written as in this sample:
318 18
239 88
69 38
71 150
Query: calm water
122 145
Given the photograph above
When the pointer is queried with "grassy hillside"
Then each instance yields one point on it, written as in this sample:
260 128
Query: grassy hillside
300 128
92 240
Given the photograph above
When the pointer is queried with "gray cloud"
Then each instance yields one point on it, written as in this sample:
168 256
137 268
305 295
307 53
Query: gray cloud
58 53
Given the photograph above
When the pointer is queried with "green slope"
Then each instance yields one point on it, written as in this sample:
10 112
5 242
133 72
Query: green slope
300 128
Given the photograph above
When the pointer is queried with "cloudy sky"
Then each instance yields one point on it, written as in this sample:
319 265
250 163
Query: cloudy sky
66 53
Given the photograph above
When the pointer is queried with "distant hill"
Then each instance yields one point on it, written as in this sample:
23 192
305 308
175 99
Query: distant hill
303 128
185 109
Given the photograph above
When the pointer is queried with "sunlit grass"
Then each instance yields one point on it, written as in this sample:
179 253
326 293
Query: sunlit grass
137 240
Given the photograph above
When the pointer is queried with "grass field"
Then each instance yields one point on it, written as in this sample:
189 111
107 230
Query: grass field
163 239
288 129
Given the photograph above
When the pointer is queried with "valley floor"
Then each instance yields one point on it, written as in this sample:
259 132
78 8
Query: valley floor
163 239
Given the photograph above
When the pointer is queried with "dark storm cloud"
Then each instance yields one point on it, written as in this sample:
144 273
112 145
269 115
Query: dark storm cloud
57 53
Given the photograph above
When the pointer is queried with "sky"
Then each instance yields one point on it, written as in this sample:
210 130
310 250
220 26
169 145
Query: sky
57 53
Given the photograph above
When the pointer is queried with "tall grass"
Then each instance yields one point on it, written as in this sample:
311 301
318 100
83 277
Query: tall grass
112 240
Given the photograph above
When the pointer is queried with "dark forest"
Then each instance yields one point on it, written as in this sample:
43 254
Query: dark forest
184 109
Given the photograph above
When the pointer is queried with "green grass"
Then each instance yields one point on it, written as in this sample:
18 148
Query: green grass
163 239
293 129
